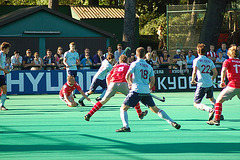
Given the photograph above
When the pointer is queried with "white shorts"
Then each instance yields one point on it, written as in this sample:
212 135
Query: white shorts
180 63
228 93
113 88
69 97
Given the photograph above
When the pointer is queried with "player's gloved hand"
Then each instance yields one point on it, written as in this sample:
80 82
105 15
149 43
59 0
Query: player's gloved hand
222 85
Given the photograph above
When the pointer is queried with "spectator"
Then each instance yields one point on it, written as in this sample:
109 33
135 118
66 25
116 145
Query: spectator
49 61
38 62
238 50
165 59
212 54
98 58
8 65
148 59
58 55
223 49
118 52
149 49
86 51
155 59
28 60
132 58
190 57
220 59
109 50
180 60
86 62
16 60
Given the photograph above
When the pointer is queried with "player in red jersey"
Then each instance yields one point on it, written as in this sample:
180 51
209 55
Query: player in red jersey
116 82
231 68
67 89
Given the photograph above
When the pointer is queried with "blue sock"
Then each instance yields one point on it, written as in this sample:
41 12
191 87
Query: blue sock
103 93
3 98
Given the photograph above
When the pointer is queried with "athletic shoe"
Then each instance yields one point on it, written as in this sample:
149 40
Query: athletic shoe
3 108
98 99
81 103
211 114
87 117
222 117
175 125
143 114
213 122
123 129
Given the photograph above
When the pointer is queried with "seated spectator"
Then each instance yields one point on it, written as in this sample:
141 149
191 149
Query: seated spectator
190 57
155 59
49 61
86 62
119 52
165 59
8 65
16 60
58 55
132 58
224 50
28 60
86 51
98 58
148 59
180 60
38 62
212 54
220 59
149 49
109 50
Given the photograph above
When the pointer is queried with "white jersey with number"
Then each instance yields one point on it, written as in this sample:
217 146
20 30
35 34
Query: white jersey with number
204 66
71 59
2 61
103 70
141 71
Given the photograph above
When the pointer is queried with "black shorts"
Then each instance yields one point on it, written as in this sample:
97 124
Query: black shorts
133 98
98 82
2 80
200 93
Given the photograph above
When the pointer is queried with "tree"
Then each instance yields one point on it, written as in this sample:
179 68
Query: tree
53 4
212 22
129 24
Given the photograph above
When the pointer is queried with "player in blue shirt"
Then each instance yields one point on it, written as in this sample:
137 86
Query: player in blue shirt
141 72
5 46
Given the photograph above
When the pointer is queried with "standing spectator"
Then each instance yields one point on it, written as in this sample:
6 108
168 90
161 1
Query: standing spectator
86 51
155 59
180 61
87 61
119 52
165 59
132 58
38 62
148 59
212 54
223 49
49 60
109 50
190 57
5 46
16 60
160 37
98 58
58 55
28 60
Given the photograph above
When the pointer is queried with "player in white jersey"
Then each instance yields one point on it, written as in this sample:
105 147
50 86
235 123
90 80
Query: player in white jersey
202 67
5 46
71 59
140 91
99 78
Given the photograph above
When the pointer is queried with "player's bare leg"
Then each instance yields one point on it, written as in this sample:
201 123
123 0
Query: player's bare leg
164 116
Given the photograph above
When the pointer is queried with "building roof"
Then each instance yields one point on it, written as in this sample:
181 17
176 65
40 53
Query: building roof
98 12
24 12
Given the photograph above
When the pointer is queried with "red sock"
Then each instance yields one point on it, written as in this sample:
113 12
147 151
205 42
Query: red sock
95 108
218 111
138 109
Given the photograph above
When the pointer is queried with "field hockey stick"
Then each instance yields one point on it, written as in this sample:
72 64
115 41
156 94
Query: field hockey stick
126 49
92 102
215 83
67 67
158 98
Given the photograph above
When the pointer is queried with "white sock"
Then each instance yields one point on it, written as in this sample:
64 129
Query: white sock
164 116
124 117
213 103
84 97
203 107
103 93
3 98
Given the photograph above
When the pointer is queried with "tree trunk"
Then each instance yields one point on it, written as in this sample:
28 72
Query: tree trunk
212 22
129 24
53 4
